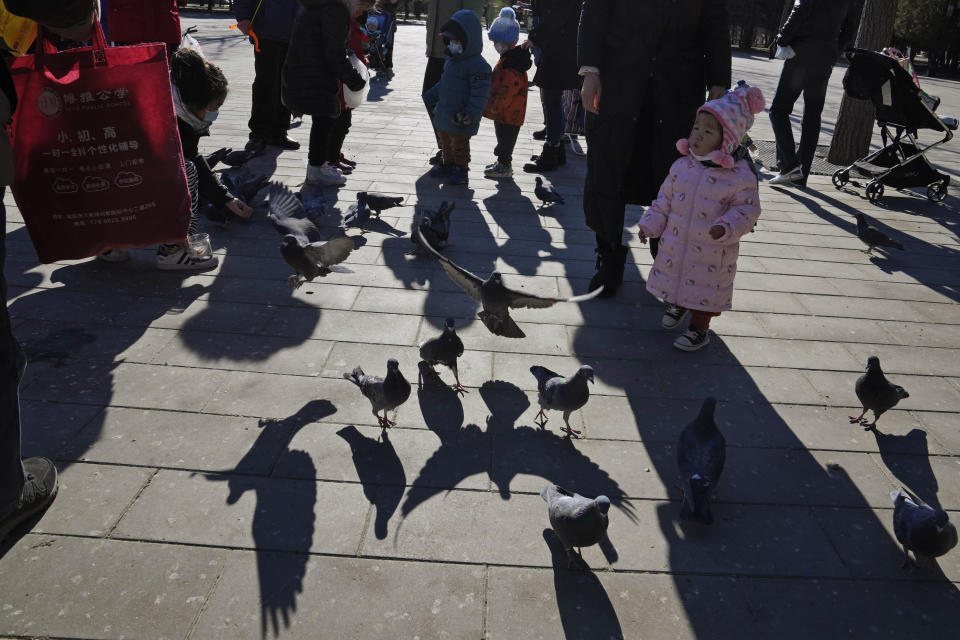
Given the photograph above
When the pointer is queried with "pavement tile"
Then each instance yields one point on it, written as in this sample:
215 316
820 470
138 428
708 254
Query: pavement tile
916 360
805 327
297 596
104 588
46 427
927 393
58 342
249 512
264 354
934 479
351 326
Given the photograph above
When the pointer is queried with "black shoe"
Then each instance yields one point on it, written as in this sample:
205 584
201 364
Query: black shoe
437 158
255 144
38 492
609 271
546 161
284 142
562 154
540 135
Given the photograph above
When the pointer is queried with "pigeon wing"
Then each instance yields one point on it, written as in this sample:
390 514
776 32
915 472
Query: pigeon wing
467 281
329 253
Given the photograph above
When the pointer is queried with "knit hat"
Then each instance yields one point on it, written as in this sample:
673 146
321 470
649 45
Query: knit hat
734 111
505 28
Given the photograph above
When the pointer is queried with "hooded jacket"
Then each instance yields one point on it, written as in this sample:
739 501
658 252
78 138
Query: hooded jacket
438 12
465 84
317 60
273 20
508 88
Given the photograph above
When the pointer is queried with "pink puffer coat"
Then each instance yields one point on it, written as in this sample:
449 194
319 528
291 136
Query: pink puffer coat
692 269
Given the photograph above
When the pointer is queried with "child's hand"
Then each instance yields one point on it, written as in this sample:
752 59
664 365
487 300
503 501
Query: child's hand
526 44
461 118
717 231
642 236
239 208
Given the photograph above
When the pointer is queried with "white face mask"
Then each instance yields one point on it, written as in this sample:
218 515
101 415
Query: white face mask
454 48
501 47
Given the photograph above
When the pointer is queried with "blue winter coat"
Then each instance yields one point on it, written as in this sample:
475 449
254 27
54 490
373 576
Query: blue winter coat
274 19
465 84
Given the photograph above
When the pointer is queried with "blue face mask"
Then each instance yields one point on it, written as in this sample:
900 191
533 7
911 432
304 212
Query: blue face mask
454 49
210 116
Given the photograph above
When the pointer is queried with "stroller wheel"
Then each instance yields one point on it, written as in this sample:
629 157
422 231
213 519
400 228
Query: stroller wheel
937 192
840 178
874 191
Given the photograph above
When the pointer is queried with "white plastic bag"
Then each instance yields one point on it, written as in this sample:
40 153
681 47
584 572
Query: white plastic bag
354 99
189 42
784 53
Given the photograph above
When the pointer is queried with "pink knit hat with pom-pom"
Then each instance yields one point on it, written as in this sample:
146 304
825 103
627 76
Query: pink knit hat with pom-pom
734 111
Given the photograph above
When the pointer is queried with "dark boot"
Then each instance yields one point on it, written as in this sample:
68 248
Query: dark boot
610 264
546 161
540 135
562 154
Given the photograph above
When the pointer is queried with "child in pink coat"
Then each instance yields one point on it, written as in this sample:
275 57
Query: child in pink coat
706 204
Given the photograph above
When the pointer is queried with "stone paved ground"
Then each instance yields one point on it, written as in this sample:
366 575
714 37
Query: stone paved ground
220 479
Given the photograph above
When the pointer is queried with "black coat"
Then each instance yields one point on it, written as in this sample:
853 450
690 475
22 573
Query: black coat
208 184
317 60
556 36
656 62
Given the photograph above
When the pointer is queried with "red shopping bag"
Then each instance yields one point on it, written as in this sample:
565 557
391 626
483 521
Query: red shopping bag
97 157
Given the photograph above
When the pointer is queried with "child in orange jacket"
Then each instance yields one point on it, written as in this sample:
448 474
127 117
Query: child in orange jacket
507 104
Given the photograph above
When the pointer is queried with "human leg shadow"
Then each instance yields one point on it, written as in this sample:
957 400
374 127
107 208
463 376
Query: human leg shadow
380 471
513 212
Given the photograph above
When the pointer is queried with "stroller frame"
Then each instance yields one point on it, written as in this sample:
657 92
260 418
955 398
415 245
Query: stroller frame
899 164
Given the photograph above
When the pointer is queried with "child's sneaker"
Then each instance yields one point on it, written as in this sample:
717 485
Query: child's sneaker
114 255
184 259
498 170
441 170
458 175
673 315
692 339
324 176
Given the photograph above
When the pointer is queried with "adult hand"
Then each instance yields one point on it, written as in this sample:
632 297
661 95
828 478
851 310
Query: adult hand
239 208
590 92
716 91
526 44
244 26
717 231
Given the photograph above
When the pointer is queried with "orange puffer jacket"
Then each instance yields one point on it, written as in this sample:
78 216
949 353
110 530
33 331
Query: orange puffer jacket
508 88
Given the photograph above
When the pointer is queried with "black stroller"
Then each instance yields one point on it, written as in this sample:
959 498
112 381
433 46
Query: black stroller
379 29
901 107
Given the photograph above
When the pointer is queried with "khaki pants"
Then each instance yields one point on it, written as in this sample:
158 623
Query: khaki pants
455 148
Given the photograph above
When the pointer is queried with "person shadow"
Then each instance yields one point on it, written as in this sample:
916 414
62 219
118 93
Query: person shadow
380 471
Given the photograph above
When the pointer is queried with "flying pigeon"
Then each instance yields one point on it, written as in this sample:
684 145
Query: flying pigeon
577 521
700 456
434 225
876 393
562 394
240 157
547 194
384 394
357 215
445 349
496 298
217 156
873 237
245 185
379 201
919 528
301 247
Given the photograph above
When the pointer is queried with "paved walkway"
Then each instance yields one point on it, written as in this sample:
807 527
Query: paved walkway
221 480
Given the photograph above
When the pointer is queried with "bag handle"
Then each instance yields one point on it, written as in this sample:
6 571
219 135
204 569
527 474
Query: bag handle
45 46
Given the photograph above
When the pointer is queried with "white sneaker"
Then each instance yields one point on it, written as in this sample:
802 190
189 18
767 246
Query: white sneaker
791 178
184 259
499 170
114 255
324 176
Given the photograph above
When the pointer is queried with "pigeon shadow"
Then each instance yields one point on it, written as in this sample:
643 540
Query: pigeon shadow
585 609
381 473
907 457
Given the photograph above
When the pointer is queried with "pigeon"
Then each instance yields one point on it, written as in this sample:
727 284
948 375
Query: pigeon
547 194
384 394
301 247
876 393
240 157
562 394
919 528
577 521
357 215
496 298
701 452
873 237
434 225
445 349
217 156
245 185
379 201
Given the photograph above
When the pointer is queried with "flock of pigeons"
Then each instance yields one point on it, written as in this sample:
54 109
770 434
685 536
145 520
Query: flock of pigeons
578 521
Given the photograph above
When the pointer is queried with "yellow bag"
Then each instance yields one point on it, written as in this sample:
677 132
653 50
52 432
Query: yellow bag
19 33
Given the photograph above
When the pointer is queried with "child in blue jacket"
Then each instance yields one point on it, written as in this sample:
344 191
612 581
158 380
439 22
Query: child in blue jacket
461 95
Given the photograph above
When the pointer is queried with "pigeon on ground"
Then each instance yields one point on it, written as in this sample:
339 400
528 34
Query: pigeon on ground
873 237
700 456
240 157
547 194
445 349
496 298
577 521
301 247
434 225
217 156
245 185
919 528
562 394
876 393
384 394
380 201
357 215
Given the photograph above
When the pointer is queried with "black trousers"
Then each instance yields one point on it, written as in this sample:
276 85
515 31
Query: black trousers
506 141
431 76
269 119
338 133
320 132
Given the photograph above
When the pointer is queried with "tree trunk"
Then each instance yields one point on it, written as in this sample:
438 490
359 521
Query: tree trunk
851 138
